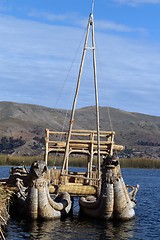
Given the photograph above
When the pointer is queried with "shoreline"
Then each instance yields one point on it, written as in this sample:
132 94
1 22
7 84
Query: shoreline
76 161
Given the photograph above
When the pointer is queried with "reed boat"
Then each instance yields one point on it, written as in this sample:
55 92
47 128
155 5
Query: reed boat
101 188
46 193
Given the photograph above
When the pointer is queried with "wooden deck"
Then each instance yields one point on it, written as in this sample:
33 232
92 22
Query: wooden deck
75 183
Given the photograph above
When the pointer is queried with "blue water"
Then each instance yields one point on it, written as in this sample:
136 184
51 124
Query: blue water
146 224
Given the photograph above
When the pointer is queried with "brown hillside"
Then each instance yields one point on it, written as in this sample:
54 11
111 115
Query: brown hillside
134 130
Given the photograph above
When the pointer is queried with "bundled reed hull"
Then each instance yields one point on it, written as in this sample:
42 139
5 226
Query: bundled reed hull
35 199
123 206
101 207
6 195
114 201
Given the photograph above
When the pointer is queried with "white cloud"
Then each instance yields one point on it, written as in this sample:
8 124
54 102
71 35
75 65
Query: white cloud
109 25
76 19
137 2
71 17
35 59
32 57
48 16
131 74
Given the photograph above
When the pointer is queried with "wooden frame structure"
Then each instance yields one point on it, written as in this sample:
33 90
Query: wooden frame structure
88 142
81 142
75 140
90 47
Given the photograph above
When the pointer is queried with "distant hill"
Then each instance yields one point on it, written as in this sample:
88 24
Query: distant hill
23 126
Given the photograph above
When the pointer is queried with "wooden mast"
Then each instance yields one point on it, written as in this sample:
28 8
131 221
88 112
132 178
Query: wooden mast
85 48
96 95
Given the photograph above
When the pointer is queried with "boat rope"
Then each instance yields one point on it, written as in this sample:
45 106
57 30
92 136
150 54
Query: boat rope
71 94
110 120
90 29
101 72
63 86
109 116
68 73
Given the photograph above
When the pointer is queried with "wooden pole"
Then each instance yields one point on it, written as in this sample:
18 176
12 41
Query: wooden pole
66 155
91 156
46 146
96 97
64 167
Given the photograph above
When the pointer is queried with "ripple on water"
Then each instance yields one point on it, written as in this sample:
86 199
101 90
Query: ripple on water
146 224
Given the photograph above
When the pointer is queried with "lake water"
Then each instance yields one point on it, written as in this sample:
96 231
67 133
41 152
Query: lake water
146 224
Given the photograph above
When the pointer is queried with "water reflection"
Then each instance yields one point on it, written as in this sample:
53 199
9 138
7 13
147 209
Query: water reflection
146 224
73 228
79 227
123 230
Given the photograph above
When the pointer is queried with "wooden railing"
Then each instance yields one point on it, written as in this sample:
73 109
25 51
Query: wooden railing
81 142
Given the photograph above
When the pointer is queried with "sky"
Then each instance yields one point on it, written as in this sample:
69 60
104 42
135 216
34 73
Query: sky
41 44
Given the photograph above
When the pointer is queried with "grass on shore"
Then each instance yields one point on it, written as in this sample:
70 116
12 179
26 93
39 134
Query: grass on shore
8 160
140 163
77 161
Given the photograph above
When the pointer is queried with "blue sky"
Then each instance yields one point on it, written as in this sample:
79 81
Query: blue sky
41 45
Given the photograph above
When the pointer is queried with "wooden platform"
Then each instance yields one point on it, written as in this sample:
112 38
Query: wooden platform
81 142
75 189
75 183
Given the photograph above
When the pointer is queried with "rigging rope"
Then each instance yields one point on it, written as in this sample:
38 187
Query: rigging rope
110 120
71 94
67 76
108 111
66 115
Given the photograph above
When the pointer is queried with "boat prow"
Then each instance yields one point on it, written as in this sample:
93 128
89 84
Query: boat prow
34 199
114 200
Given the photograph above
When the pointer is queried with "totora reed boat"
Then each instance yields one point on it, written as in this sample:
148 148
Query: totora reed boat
103 193
46 193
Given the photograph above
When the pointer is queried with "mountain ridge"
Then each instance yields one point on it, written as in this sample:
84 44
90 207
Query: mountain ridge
137 131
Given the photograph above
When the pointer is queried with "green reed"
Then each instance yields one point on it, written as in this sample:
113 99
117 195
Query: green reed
76 161
18 160
52 160
140 163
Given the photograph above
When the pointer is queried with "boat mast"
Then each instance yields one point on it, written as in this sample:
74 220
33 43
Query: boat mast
85 48
96 93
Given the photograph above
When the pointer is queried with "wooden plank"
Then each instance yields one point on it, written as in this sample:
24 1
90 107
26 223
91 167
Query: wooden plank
80 176
81 132
81 142
76 189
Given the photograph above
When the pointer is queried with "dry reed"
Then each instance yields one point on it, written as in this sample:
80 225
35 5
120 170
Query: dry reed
76 161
